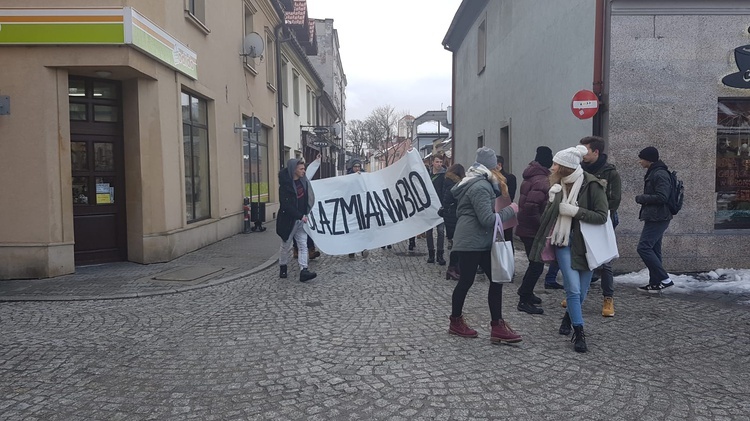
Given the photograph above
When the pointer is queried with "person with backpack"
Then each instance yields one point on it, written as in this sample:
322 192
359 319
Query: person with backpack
655 214
595 162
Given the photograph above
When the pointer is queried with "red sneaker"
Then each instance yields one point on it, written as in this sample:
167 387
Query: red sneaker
459 327
502 332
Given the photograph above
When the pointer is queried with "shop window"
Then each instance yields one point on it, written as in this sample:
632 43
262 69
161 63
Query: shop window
195 145
255 166
733 164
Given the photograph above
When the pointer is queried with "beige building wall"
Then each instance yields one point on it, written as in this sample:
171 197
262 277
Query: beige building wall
36 211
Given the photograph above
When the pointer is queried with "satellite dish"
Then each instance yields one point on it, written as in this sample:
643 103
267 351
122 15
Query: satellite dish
252 45
336 130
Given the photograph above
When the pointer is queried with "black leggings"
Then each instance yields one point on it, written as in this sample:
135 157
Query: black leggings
467 264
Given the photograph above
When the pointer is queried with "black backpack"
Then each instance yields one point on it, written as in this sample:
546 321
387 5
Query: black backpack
676 193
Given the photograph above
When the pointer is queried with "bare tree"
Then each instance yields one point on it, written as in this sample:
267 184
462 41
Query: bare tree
357 137
382 126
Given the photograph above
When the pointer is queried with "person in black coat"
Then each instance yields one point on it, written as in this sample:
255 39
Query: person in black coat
296 199
655 215
453 175
510 180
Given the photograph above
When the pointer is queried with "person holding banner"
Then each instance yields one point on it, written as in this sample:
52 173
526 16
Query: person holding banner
356 168
575 196
296 199
437 173
472 239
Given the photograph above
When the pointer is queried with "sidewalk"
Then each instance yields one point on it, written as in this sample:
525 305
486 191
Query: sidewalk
229 259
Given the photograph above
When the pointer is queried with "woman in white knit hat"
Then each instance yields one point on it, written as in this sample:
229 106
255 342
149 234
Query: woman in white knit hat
575 196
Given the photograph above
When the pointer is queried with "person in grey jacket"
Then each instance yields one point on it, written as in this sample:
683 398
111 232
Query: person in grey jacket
476 195
655 215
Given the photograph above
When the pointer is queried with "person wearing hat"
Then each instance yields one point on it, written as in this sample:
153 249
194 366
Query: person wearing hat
655 215
532 201
472 240
595 162
575 196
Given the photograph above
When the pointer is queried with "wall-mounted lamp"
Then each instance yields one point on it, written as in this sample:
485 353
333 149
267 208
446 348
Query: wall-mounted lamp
103 73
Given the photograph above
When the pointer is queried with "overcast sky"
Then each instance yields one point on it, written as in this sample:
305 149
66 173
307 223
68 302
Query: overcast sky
392 52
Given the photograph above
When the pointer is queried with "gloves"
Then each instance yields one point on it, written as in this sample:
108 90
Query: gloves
566 209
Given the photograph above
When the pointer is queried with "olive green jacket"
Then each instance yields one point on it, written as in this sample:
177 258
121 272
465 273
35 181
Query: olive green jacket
593 208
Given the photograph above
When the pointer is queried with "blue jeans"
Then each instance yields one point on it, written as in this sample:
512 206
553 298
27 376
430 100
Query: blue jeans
649 248
551 277
576 284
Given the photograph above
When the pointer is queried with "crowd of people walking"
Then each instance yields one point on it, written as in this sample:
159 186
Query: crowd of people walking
558 193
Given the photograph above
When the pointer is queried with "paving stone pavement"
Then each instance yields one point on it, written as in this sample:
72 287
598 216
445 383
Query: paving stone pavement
367 340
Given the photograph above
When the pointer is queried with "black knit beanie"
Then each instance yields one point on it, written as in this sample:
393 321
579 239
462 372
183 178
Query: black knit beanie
650 154
544 156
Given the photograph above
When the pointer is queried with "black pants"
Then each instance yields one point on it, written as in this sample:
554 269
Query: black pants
467 263
533 272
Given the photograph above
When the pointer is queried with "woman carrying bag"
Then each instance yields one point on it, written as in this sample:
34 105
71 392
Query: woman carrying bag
575 197
472 241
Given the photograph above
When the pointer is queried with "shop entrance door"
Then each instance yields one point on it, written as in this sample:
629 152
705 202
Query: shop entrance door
96 152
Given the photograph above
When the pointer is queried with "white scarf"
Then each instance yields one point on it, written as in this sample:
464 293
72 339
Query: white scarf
561 232
479 170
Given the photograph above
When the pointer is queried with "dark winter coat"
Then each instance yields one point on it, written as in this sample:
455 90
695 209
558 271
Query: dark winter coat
438 180
510 180
289 212
657 186
593 208
450 204
532 199
606 171
476 215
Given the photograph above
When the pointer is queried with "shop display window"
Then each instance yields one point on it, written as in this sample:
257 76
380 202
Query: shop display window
733 164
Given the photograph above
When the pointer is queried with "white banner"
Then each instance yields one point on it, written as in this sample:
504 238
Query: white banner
363 211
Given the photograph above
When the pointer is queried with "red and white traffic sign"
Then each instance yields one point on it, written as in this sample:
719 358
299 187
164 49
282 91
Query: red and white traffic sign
585 104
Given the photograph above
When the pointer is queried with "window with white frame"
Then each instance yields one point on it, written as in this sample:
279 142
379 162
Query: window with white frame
270 60
249 29
295 91
284 80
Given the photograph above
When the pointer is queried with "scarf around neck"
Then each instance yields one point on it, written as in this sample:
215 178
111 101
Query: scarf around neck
561 232
480 171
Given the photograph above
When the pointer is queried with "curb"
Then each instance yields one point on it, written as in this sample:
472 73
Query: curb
263 266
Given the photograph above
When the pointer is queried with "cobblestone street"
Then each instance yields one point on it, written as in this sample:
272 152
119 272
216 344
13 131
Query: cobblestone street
368 340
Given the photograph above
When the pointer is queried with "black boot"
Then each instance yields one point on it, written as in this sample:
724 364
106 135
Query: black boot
431 256
412 244
282 271
305 275
579 339
439 257
565 325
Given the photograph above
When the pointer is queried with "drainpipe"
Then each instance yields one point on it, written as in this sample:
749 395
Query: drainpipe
598 85
277 31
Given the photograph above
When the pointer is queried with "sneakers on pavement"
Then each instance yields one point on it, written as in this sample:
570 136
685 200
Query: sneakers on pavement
657 287
608 307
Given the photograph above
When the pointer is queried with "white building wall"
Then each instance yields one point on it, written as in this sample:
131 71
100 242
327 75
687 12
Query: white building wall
539 53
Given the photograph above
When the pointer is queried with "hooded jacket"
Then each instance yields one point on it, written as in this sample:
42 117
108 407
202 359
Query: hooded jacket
532 199
593 208
289 211
476 216
657 186
606 171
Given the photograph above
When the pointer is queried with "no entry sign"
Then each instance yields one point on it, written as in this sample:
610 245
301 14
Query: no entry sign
585 104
